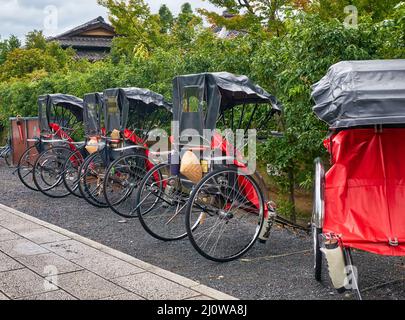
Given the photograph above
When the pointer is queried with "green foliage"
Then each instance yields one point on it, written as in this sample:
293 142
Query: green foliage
166 18
140 30
378 10
35 40
250 13
22 63
37 60
7 46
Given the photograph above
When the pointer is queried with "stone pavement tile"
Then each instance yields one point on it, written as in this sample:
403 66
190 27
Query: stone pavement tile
87 286
202 289
107 266
4 214
43 235
52 295
173 277
153 287
3 297
21 247
48 264
126 296
17 224
7 235
71 249
23 282
8 264
200 298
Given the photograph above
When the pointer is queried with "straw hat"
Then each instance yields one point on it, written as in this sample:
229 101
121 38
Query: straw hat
190 167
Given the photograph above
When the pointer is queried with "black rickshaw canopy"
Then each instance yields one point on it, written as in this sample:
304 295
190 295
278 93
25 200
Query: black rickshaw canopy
93 113
199 99
124 103
69 102
361 93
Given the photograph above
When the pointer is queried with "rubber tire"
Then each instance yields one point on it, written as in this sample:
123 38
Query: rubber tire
8 158
83 192
189 209
45 192
105 182
316 232
19 174
140 216
77 194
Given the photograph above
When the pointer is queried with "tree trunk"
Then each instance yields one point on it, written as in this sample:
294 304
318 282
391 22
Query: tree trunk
291 185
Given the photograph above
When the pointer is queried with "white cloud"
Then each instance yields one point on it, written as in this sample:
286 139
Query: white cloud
21 16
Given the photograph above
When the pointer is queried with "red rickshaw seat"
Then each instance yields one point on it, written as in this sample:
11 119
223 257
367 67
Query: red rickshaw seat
365 190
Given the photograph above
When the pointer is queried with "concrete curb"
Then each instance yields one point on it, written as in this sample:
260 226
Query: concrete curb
183 281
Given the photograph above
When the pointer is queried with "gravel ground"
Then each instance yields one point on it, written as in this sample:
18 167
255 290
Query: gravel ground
280 269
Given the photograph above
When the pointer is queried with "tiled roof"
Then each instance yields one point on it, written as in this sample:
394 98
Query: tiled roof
85 42
93 24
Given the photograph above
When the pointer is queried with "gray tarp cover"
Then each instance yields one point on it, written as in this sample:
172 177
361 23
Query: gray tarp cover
120 102
220 91
361 93
92 113
45 103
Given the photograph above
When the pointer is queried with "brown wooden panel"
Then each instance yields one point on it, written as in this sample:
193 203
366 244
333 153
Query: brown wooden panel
98 32
19 143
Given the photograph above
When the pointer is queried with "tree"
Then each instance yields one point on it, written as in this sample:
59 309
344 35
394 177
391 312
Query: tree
289 65
186 14
166 18
37 57
35 40
266 12
139 29
22 62
7 46
186 26
376 9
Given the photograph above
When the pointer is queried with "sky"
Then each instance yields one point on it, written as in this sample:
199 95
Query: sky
18 17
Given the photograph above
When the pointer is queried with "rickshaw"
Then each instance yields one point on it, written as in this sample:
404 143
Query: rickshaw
359 201
60 116
93 118
111 175
209 198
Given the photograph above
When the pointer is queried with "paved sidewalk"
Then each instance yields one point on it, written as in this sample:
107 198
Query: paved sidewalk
39 261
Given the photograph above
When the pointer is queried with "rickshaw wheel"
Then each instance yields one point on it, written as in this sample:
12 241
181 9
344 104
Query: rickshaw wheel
122 179
161 201
224 215
316 232
81 187
71 171
8 158
25 167
92 181
48 172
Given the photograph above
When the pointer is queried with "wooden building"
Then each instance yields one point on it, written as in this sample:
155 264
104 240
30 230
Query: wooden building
91 40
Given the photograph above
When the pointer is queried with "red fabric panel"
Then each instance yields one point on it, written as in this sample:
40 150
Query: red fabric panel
131 135
365 189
